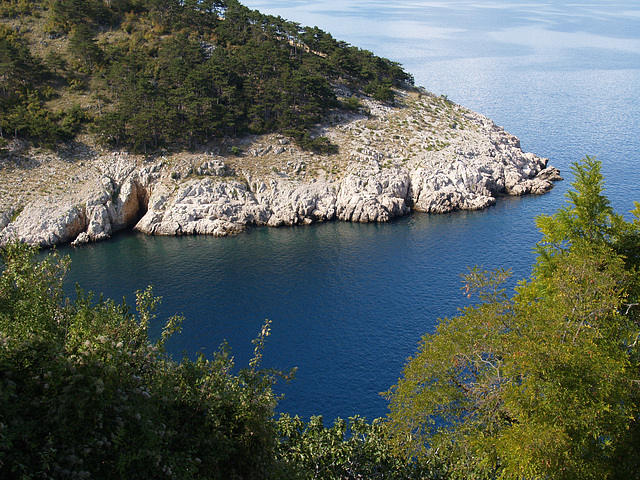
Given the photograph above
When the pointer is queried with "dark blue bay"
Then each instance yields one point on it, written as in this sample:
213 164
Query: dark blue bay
349 302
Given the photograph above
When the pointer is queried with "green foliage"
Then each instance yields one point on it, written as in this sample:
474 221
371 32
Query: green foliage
55 62
65 15
542 384
587 217
18 68
380 90
85 394
183 72
23 92
320 145
72 120
83 46
305 141
352 103
353 449
15 8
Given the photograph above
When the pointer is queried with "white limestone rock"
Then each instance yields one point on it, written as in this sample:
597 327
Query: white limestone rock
202 206
46 225
390 163
99 226
373 196
214 168
81 239
126 207
293 202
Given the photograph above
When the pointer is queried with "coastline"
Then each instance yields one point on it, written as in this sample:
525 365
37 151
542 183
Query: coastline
425 153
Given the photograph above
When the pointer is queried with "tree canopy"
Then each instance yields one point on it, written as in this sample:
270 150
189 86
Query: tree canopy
543 383
160 72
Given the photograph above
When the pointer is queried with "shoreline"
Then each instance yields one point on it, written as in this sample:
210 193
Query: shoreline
425 154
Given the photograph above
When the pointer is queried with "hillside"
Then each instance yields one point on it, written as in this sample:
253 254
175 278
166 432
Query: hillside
146 74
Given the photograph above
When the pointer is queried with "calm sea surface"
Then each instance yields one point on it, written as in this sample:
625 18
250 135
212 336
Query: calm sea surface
349 303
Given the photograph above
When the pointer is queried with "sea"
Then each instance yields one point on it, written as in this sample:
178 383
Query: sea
349 303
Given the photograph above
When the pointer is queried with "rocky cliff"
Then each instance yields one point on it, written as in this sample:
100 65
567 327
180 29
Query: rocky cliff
425 154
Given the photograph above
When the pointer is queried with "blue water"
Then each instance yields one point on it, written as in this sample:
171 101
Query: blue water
350 302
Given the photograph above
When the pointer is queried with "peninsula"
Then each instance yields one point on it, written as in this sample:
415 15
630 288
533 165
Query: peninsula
426 154
209 117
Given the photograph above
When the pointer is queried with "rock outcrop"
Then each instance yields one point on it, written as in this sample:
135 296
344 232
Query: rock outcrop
427 154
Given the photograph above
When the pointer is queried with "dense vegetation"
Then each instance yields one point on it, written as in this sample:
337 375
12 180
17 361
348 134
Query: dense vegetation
146 73
84 394
544 384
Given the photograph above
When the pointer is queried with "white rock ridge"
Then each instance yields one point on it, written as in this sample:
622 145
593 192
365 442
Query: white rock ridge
427 154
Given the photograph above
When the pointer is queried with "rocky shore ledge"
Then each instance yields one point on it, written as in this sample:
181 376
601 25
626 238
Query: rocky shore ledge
425 153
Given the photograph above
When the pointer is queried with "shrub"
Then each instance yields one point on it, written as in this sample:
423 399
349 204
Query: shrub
380 90
348 449
352 104
84 393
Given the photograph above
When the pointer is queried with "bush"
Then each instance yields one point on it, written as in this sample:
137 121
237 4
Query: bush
304 140
352 104
380 90
348 449
85 394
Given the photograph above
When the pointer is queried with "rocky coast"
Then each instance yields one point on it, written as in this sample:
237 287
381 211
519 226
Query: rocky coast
424 153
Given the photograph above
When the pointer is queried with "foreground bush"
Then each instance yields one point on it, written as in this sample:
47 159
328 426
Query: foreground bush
348 449
84 393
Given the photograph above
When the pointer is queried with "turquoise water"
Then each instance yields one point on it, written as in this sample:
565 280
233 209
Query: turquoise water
349 302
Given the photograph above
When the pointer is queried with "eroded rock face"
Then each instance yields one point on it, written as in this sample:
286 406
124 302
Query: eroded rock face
368 195
46 226
291 202
202 206
403 159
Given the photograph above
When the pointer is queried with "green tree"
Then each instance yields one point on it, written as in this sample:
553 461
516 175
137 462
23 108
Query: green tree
19 72
183 71
18 68
56 62
83 46
542 384
380 90
65 14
